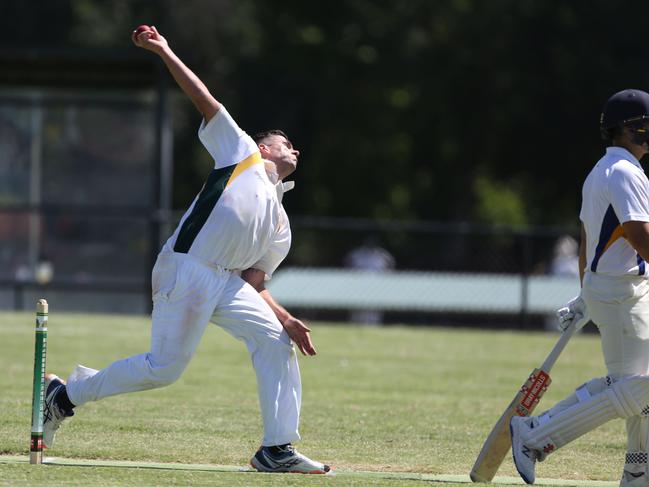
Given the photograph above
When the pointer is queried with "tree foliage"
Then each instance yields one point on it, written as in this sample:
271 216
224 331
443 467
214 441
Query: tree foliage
410 109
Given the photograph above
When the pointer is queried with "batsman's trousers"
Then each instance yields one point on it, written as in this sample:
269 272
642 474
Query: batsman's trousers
619 306
187 295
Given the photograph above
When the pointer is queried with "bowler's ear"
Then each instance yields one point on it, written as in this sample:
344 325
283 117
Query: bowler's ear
263 148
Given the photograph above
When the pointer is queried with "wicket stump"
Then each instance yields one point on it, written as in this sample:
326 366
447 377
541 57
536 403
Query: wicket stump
38 391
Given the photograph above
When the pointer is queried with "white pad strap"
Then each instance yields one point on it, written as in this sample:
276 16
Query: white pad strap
582 393
544 418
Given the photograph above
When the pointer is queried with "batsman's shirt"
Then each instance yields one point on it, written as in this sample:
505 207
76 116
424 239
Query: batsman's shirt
237 220
616 191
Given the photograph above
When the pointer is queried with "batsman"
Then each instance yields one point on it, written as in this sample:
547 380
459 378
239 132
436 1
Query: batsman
213 269
614 294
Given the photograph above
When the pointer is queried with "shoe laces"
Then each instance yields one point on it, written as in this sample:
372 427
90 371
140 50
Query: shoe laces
281 453
52 411
289 449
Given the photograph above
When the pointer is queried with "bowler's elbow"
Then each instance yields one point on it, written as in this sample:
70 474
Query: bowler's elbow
207 105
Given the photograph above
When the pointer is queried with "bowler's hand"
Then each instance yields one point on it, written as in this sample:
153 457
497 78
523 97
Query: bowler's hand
574 311
300 334
150 40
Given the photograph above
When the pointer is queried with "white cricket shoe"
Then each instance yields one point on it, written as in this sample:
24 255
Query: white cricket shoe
630 479
524 457
53 415
286 460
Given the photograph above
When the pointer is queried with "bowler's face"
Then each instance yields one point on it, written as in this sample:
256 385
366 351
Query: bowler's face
280 150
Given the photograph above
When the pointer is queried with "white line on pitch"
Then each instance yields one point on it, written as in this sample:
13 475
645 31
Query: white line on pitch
456 479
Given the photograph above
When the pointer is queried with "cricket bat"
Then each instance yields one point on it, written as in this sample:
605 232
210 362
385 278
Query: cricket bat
499 441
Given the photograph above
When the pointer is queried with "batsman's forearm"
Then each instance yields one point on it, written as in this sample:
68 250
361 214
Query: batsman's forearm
191 84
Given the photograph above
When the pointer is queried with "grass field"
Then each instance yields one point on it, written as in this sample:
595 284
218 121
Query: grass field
392 399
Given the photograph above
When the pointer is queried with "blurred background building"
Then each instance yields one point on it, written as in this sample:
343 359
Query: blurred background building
458 132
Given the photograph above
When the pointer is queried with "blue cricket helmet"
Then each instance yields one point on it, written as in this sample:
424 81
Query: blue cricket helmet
623 108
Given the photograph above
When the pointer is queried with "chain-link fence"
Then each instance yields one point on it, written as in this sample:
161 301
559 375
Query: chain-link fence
85 167
367 271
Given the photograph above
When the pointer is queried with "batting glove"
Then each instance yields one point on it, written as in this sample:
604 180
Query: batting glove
575 311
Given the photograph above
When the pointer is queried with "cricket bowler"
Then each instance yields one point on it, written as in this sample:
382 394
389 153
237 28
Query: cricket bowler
212 270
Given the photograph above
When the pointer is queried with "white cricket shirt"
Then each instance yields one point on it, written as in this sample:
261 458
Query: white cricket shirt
616 191
237 220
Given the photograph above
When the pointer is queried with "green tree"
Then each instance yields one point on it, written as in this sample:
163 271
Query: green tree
400 107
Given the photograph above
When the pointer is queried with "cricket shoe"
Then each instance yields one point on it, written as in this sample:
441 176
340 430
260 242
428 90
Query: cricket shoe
53 414
631 479
524 457
287 459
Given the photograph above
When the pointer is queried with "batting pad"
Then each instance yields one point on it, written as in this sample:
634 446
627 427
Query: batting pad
581 394
623 399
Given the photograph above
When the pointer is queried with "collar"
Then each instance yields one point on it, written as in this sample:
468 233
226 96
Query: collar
622 153
280 186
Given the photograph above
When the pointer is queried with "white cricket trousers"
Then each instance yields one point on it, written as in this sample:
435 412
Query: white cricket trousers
619 306
187 295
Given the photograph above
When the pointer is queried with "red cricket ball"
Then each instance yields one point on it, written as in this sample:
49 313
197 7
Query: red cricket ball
139 30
